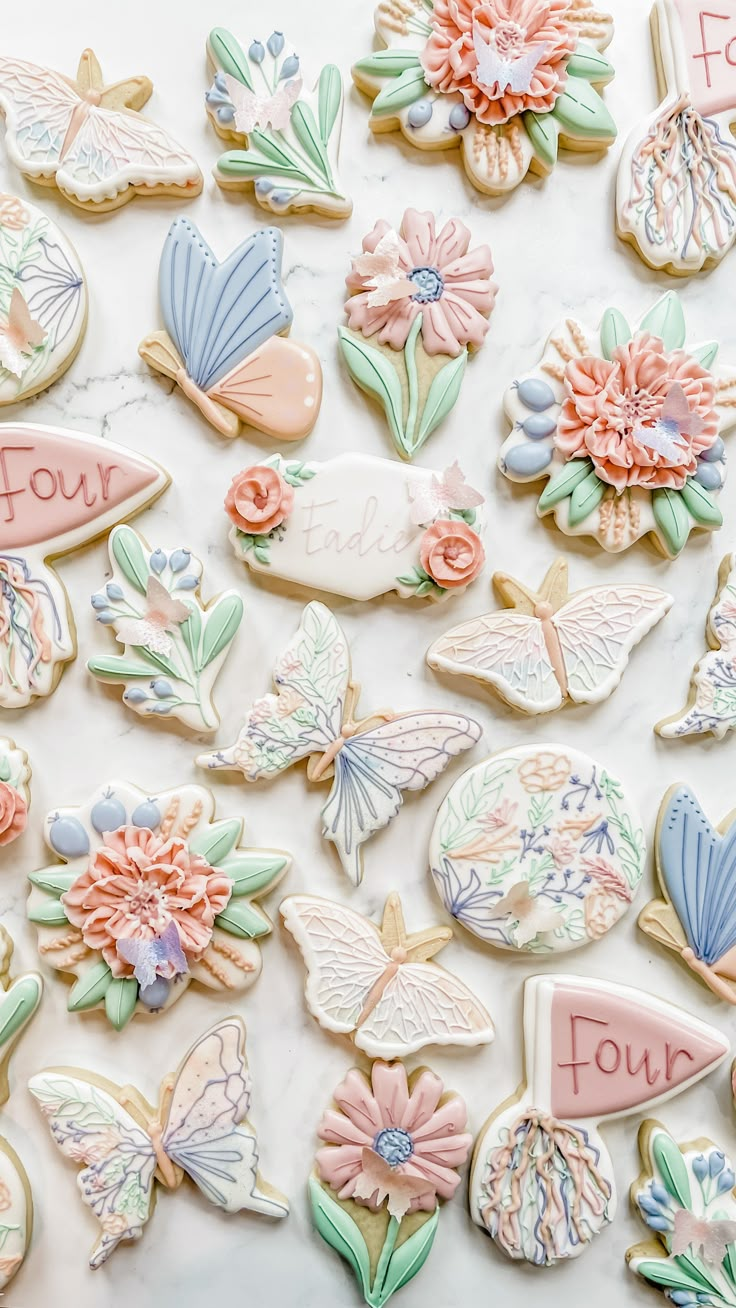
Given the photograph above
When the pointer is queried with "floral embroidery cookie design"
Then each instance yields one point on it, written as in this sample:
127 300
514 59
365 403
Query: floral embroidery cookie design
288 138
627 426
419 301
15 795
508 81
392 1148
538 849
153 895
711 705
174 644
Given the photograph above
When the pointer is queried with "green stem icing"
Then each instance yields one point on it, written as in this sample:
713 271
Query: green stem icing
389 1244
410 358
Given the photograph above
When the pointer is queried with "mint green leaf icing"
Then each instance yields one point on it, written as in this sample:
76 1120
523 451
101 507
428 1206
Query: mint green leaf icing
667 1274
121 997
672 1168
544 134
339 1230
672 518
54 880
371 370
49 914
215 842
329 97
615 331
589 63
564 483
441 398
18 1005
270 146
128 553
408 1259
701 504
308 135
407 88
191 631
221 623
243 920
585 498
706 355
90 989
112 666
228 54
582 114
252 871
248 164
388 63
666 320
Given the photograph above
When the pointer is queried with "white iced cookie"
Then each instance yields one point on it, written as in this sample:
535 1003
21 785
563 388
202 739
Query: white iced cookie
711 705
16 1213
15 792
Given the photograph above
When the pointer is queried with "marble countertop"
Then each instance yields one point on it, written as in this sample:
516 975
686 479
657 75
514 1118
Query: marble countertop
555 252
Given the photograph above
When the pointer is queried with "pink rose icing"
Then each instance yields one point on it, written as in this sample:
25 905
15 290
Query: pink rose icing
512 30
259 500
612 408
13 813
451 553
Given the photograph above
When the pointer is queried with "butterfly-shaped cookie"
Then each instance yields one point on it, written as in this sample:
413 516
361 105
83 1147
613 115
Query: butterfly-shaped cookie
551 648
86 138
379 984
20 335
371 762
223 343
200 1129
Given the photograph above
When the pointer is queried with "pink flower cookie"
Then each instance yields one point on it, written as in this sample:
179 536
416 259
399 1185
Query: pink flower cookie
393 1146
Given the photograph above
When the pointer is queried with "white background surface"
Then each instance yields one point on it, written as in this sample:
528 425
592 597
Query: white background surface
555 251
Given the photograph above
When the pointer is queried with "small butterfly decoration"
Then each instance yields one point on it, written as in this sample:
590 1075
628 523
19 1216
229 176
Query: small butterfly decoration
498 73
87 138
382 267
532 918
711 705
224 343
370 762
435 499
19 336
549 648
200 1130
379 984
251 110
668 435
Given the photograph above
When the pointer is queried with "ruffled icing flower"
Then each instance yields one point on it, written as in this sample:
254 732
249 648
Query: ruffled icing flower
643 417
451 553
503 56
602 911
259 500
387 1142
13 813
544 771
13 215
415 270
135 885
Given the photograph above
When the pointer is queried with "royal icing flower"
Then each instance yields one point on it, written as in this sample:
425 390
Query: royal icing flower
544 771
503 56
562 848
13 215
259 500
162 615
13 813
451 553
602 911
391 1142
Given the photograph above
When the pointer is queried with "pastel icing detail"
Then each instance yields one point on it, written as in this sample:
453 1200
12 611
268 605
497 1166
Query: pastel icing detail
358 526
58 490
711 706
223 344
542 1183
676 188
506 80
420 299
174 644
15 794
393 1145
370 762
87 138
538 849
380 984
548 648
200 1130
16 1213
287 138
153 895
19 1001
637 414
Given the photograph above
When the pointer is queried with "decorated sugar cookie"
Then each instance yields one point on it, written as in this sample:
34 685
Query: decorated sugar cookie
392 1148
358 526
87 138
542 1182
15 794
152 895
19 1000
537 849
43 301
58 490
548 648
174 645
200 1130
685 1195
381 984
224 344
509 81
370 762
676 189
711 705
627 426
420 300
288 137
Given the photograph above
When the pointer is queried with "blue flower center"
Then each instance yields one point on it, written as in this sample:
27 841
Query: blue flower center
393 1145
429 284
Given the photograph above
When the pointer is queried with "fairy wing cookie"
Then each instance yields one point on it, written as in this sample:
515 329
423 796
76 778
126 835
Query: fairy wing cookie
658 470
549 647
287 137
370 762
711 706
542 1182
224 340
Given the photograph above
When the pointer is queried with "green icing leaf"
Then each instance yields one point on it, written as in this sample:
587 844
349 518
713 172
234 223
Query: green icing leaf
407 88
271 147
127 552
615 331
221 624
582 114
54 880
217 841
246 163
304 125
18 1006
252 871
672 518
544 134
589 63
243 920
90 989
191 630
48 914
701 504
585 498
372 371
564 483
162 663
441 398
661 1271
706 354
339 1230
666 320
329 98
122 668
672 1168
228 54
121 997
408 1259
4 769
388 63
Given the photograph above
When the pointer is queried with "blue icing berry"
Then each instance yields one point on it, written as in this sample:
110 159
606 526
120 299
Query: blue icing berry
226 113
289 68
135 695
179 560
275 44
106 616
714 453
155 995
108 813
420 113
147 814
708 476
528 460
539 425
158 561
264 186
68 837
536 394
459 117
187 583
256 52
281 198
162 688
114 592
99 602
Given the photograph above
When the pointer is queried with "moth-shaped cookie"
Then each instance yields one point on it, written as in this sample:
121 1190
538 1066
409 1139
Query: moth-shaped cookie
380 984
542 1181
224 341
200 1130
87 138
548 647
370 762
711 705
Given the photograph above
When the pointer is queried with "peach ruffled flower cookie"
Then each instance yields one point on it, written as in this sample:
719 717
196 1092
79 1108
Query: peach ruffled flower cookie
508 81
